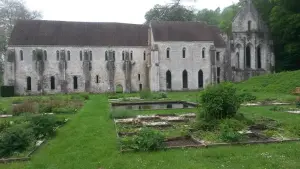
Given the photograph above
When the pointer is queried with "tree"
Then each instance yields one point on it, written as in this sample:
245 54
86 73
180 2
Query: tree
211 17
10 12
170 12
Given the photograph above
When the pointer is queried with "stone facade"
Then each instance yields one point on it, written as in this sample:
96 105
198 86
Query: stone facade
163 56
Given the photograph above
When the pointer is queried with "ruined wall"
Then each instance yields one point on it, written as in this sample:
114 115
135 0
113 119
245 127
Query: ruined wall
64 69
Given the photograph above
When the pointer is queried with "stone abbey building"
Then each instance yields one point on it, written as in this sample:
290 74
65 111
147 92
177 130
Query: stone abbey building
57 56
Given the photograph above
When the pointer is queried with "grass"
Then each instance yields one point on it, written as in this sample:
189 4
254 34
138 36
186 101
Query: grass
88 140
284 82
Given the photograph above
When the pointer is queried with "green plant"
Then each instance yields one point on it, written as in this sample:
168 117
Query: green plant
43 125
148 140
4 125
15 139
3 109
64 110
26 107
219 102
247 97
145 94
234 124
229 134
204 125
163 95
121 113
276 108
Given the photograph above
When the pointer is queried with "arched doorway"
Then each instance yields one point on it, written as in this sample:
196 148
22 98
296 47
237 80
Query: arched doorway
75 82
248 57
185 79
258 55
119 88
169 80
200 79
52 79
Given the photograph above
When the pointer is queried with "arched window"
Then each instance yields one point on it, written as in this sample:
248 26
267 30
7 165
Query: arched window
57 55
86 55
123 55
258 55
45 55
183 52
52 81
185 79
139 77
97 78
200 79
238 60
91 55
144 55
69 55
33 55
169 80
114 54
21 54
168 52
249 25
248 57
80 54
131 55
203 53
28 83
218 74
218 56
106 55
75 82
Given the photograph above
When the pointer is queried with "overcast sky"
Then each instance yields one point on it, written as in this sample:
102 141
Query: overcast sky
126 11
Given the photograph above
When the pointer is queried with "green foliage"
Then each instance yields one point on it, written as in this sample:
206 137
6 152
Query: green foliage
163 95
3 109
26 107
64 110
219 101
276 108
4 125
43 125
146 94
229 131
205 125
15 139
121 113
148 140
247 97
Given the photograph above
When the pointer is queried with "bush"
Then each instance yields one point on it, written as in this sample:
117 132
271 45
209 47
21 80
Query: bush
26 107
121 113
64 110
219 101
145 94
234 124
15 139
228 134
276 108
4 125
163 95
43 125
205 125
3 110
148 140
247 97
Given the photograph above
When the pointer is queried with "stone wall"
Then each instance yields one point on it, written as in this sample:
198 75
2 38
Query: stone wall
74 67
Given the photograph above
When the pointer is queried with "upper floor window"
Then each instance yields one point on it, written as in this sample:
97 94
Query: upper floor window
183 52
106 55
123 55
249 25
168 52
131 55
144 55
57 55
69 55
80 54
45 54
114 54
203 53
21 54
218 56
91 55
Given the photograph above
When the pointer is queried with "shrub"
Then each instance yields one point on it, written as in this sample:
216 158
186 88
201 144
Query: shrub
64 110
145 94
26 107
234 124
43 125
148 140
247 97
163 95
3 110
219 101
276 108
121 113
229 134
15 139
205 125
4 125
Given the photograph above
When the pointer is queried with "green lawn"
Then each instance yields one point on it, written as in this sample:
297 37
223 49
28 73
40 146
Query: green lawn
88 141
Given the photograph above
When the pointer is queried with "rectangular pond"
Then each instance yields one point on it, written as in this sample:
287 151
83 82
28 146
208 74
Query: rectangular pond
153 105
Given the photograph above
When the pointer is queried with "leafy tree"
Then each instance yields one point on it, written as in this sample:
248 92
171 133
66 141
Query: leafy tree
211 17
